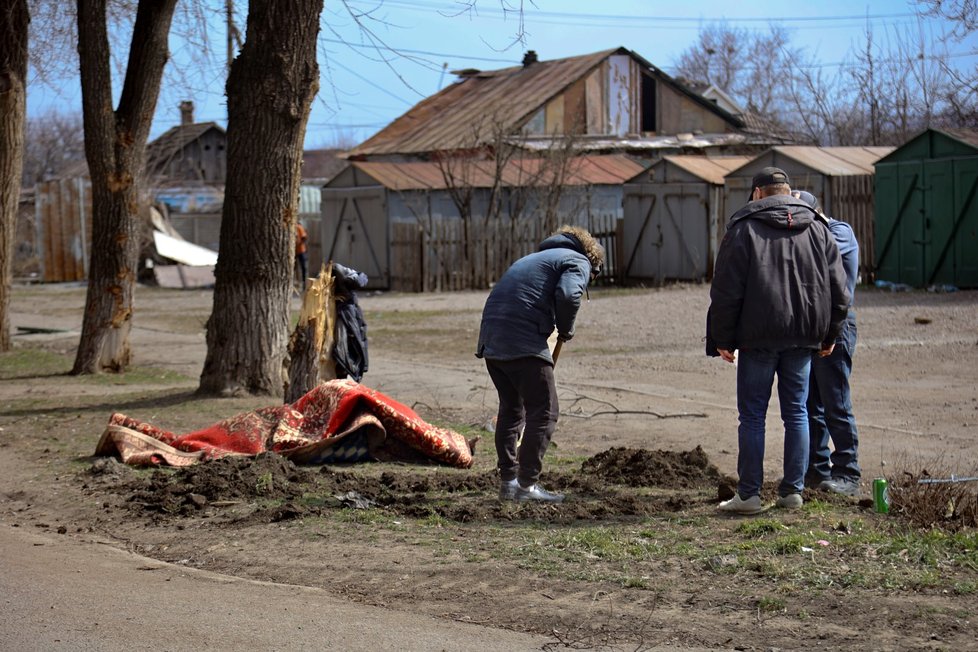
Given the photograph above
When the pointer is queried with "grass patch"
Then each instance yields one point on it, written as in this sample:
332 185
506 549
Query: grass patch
760 527
30 362
768 604
27 362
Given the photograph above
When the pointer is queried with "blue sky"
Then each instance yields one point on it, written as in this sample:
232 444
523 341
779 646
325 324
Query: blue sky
362 89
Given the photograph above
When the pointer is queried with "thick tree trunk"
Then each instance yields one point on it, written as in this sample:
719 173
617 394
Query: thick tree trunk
115 147
14 20
270 90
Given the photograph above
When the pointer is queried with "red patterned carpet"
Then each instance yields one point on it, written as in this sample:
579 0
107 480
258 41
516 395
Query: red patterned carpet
338 421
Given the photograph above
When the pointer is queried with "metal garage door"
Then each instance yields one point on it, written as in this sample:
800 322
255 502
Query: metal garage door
666 231
354 232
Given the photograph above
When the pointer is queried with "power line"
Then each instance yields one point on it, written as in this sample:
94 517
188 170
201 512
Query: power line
626 20
424 52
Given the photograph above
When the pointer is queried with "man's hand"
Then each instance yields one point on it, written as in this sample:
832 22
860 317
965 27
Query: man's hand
826 351
726 354
564 337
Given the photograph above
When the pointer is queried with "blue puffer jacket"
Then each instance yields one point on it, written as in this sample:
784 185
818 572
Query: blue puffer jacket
538 293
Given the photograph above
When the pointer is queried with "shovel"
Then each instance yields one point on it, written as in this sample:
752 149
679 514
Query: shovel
556 351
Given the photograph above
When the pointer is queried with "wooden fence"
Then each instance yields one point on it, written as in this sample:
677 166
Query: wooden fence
448 255
63 225
853 203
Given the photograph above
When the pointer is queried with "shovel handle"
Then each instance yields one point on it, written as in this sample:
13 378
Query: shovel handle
556 352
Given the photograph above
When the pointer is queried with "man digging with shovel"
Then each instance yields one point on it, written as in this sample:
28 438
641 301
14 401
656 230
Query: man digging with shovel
537 294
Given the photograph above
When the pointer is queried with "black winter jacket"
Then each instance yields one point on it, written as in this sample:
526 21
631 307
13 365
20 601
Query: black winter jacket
778 281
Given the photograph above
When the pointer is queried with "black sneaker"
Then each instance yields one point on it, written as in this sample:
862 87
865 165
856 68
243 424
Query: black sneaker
507 489
538 493
843 486
815 482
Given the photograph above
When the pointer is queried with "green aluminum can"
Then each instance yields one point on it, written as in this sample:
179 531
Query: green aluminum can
881 496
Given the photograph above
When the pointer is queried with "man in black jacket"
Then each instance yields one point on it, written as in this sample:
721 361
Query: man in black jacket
778 293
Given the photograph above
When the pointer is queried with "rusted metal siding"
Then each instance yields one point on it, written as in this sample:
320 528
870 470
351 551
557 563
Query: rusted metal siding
64 229
612 169
709 169
597 111
575 109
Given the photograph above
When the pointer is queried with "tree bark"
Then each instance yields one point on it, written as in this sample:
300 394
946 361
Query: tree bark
270 90
115 147
14 20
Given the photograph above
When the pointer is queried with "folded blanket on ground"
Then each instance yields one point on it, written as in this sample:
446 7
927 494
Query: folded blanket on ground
338 421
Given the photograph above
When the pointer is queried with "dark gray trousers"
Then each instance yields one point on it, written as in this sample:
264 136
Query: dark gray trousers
527 396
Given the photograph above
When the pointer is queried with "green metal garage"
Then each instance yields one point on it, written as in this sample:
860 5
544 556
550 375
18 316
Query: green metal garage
927 212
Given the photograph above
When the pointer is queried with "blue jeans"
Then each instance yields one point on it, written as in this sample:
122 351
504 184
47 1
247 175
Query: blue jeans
756 369
830 412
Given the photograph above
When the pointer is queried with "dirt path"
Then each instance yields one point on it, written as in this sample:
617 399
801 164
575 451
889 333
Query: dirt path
634 379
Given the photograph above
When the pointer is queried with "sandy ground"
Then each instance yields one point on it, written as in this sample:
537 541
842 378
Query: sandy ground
634 377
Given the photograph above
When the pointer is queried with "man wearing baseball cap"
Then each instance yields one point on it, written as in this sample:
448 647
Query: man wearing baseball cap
778 294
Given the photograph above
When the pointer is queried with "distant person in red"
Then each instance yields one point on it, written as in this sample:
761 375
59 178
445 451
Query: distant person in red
300 252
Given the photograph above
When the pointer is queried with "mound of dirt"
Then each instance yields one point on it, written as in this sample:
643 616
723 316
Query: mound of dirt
607 486
229 479
643 468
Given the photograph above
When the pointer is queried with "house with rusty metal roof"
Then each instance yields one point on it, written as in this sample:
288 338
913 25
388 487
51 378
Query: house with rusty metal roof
608 101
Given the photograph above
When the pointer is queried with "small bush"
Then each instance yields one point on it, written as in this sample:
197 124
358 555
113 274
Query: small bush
936 500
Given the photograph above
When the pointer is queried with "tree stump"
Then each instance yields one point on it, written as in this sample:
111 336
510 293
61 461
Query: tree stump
311 343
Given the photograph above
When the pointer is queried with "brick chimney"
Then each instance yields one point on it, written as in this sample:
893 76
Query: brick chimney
530 58
186 113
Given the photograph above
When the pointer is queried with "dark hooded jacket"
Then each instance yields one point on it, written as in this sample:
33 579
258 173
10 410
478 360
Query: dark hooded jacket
350 343
538 293
778 281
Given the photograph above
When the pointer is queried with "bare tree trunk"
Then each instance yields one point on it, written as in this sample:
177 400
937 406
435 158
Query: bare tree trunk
14 20
270 90
115 147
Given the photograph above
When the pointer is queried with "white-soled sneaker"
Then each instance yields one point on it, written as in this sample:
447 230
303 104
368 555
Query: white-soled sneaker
507 489
738 505
537 493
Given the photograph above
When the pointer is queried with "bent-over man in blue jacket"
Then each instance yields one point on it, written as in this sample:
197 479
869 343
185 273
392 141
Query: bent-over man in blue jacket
537 294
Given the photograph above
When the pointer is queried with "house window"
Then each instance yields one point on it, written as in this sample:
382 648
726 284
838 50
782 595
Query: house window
537 125
648 104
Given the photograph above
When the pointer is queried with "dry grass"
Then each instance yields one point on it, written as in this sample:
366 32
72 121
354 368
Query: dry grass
936 497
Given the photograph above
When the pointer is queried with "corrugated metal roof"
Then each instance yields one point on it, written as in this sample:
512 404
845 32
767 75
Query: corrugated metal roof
836 161
451 118
711 169
582 170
